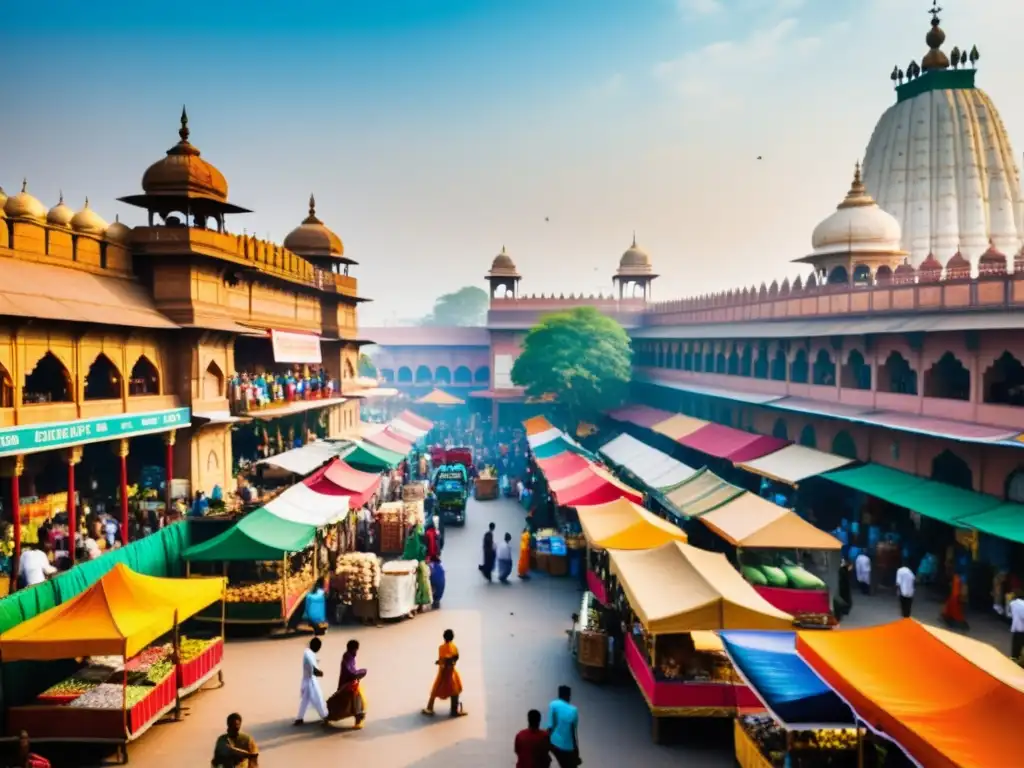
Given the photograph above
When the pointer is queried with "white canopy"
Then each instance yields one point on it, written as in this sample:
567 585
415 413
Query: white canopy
408 430
654 468
546 436
304 460
300 504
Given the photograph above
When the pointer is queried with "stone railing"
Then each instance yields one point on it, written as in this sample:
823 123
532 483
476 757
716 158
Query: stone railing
928 288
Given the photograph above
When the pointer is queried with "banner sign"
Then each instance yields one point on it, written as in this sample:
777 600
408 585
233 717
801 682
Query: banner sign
45 437
302 348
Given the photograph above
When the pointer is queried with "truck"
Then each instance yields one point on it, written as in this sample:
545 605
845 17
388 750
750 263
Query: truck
451 488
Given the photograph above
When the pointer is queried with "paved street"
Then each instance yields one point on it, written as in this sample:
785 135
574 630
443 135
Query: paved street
514 655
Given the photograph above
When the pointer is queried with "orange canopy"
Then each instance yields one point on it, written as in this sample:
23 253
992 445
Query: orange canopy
907 683
119 615
536 425
621 524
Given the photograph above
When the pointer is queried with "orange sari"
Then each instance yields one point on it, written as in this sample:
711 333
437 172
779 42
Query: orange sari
524 554
447 683
954 611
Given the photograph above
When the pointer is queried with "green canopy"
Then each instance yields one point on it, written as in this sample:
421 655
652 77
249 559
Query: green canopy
372 458
1005 521
260 535
945 503
560 445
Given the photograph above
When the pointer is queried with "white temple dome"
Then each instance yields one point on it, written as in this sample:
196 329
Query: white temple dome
941 162
857 225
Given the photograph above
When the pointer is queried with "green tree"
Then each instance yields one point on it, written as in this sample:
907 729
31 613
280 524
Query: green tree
581 357
366 366
465 307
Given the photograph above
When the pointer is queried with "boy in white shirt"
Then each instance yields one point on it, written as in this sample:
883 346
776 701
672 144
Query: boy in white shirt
905 582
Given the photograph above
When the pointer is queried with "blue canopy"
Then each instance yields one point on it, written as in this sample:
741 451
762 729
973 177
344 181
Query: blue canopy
789 688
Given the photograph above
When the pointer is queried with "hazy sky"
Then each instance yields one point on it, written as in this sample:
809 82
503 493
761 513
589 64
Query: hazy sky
435 131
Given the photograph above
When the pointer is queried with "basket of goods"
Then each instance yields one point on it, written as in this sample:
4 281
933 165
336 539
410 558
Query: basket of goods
357 577
413 492
414 512
593 648
392 527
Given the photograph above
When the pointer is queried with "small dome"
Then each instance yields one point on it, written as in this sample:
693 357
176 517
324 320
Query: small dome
635 260
503 265
930 264
88 222
992 256
24 206
60 215
312 238
182 173
858 225
118 232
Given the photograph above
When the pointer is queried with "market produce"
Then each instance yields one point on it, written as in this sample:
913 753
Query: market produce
147 658
269 589
768 735
112 696
754 576
191 648
69 689
801 578
776 576
826 740
156 673
358 576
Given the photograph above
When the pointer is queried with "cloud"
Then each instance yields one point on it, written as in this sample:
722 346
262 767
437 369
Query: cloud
723 74
699 7
609 87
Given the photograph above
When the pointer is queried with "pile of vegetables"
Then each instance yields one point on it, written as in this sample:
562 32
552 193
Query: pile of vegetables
781 571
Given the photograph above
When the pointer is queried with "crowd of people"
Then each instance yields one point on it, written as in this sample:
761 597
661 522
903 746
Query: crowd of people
252 390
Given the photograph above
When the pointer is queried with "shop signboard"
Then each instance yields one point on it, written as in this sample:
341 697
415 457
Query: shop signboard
44 437
291 347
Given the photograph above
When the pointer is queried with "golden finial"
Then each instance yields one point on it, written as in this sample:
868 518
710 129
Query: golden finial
503 250
935 58
857 181
312 206
634 239
24 185
86 202
60 201
183 131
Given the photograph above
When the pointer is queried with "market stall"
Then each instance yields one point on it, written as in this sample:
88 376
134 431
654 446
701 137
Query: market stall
537 424
773 546
367 457
415 420
674 591
591 485
270 566
300 461
619 524
355 583
390 440
590 639
115 700
944 704
397 589
806 722
394 519
698 494
648 465
339 479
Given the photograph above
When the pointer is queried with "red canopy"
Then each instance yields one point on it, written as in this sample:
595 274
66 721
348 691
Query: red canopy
390 440
732 444
339 479
562 465
595 486
417 421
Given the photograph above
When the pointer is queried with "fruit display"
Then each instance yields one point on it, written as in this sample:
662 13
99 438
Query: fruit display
764 570
414 512
357 576
149 657
590 618
67 690
768 735
112 696
836 747
269 589
191 648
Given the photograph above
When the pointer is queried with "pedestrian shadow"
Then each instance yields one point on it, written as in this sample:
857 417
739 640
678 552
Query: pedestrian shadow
281 733
406 722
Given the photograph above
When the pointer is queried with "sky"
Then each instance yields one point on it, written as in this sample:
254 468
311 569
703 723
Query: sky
434 132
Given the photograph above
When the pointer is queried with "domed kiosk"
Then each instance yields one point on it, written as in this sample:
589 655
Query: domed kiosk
635 273
855 241
503 274
941 162
317 243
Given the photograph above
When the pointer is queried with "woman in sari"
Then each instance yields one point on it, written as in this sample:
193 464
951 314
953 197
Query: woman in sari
447 684
348 700
953 611
524 554
437 581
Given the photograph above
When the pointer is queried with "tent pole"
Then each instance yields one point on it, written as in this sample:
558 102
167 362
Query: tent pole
177 667
124 694
284 590
224 607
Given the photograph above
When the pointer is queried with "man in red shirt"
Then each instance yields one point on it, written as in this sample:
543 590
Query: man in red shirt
531 744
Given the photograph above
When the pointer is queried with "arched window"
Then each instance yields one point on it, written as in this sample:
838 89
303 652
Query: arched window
747 361
213 382
463 375
145 379
761 366
103 382
799 370
844 445
948 379
779 366
405 375
660 361
709 359
388 375
688 358
482 375
862 275
49 382
721 364
838 276
733 368
6 389
442 375
678 358
824 369
1004 381
950 469
808 437
698 359
856 372
897 376
423 375
780 430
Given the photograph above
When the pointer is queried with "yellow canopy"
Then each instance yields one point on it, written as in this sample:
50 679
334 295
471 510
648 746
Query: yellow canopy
982 655
119 615
536 425
621 524
440 397
679 426
678 588
750 521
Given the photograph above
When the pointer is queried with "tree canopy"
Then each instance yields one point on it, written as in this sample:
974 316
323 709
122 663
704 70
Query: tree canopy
581 357
366 366
465 307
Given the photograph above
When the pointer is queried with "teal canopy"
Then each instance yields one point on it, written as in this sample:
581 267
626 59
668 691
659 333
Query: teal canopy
260 535
372 458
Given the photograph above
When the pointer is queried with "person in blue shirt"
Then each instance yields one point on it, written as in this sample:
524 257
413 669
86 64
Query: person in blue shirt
199 505
563 722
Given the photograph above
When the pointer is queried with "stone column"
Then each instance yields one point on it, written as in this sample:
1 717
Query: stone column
13 468
122 451
169 439
73 457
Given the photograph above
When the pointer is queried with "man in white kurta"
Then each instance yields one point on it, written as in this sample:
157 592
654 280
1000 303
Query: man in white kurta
310 694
